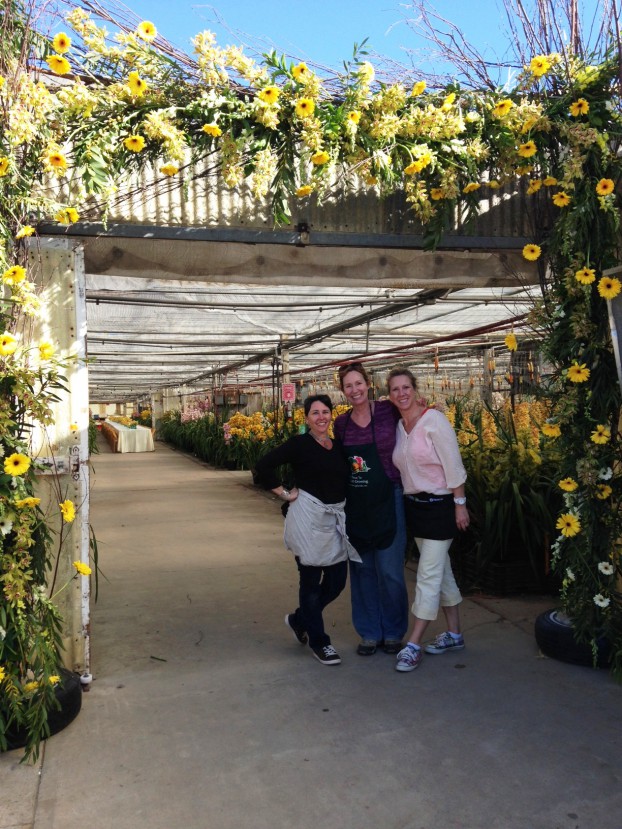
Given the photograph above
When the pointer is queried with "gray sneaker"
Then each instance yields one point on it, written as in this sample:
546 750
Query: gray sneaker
445 642
408 659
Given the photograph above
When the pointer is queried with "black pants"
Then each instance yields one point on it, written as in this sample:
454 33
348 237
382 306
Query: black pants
319 586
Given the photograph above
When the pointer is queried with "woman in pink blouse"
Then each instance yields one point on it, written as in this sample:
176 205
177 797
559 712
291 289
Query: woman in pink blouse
433 475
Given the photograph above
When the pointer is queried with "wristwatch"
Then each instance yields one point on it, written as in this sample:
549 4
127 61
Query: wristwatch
460 502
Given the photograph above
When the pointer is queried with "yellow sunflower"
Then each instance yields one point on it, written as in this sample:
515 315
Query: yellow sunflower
46 350
14 275
569 524
578 373
550 181
539 65
212 129
603 491
527 149
601 434
61 43
534 185
605 187
471 187
304 191
561 199
532 252
26 230
437 193
418 88
8 344
169 169
319 158
58 64
579 107
609 287
56 160
137 85
67 216
551 430
568 484
269 94
134 143
510 342
305 107
300 71
502 108
68 511
585 276
354 116
147 31
83 569
4 166
16 464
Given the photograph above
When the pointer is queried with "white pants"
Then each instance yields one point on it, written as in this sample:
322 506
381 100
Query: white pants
436 585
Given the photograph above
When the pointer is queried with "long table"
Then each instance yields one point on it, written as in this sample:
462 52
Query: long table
123 439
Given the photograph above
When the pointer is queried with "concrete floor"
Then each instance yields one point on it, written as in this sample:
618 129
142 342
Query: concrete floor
205 713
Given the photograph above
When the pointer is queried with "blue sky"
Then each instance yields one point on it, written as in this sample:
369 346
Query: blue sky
324 33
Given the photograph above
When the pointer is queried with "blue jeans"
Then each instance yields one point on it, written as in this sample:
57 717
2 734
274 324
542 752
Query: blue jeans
379 593
319 586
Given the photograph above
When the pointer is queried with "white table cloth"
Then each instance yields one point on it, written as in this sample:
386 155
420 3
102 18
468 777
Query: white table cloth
139 439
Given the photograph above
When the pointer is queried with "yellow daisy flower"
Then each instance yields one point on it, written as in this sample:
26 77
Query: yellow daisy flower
14 275
301 71
61 43
319 158
305 107
578 373
68 511
448 101
551 430
418 88
16 464
83 569
603 491
534 185
67 216
502 108
304 191
4 166
568 484
585 276
437 193
579 107
137 85
471 187
601 434
212 129
604 187
56 160
539 65
147 31
134 143
527 149
27 503
609 287
569 524
510 342
532 252
269 95
26 230
8 344
550 181
561 199
58 64
169 169
46 350
354 116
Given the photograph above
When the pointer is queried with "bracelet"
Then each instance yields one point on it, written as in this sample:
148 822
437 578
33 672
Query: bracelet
460 502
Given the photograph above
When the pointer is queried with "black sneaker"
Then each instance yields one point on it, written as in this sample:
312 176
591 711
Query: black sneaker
327 655
299 633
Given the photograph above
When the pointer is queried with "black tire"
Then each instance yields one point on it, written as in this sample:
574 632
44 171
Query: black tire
555 638
69 694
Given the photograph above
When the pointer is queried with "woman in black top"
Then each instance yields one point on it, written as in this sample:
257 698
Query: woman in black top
315 521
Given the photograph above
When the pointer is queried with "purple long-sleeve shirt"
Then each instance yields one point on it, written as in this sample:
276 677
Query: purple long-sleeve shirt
386 417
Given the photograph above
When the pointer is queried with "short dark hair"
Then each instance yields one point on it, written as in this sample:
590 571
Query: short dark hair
322 398
401 371
355 366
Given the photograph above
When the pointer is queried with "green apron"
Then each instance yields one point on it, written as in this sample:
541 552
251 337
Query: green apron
371 523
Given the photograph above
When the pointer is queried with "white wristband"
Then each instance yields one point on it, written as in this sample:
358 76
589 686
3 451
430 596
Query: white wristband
460 502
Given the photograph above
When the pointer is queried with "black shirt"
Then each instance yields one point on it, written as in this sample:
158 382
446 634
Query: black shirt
321 472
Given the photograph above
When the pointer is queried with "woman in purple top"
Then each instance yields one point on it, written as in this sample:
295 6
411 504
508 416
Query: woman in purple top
374 515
